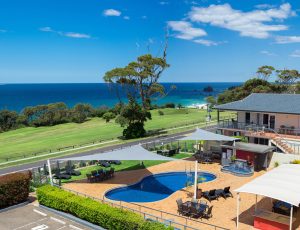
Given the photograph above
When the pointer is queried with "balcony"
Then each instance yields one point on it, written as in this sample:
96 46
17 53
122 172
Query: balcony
285 131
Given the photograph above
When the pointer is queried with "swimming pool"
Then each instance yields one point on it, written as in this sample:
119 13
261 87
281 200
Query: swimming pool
238 168
157 187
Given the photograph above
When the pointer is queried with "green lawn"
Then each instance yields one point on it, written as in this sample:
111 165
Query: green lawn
31 140
125 166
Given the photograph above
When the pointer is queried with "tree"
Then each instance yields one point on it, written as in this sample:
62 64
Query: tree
211 101
287 77
81 112
133 116
8 120
264 72
108 116
139 80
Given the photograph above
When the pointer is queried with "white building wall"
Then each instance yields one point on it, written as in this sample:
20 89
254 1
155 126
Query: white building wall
287 120
241 116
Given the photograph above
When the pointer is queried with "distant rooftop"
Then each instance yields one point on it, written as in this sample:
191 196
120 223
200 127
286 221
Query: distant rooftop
266 102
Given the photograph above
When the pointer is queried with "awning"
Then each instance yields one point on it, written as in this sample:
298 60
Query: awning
249 147
203 135
281 183
135 152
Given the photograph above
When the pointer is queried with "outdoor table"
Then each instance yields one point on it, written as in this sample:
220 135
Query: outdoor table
200 207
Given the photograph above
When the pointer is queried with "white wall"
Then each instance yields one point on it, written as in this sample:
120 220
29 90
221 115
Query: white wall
282 158
241 116
287 120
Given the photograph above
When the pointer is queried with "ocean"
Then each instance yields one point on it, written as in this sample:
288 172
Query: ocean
18 96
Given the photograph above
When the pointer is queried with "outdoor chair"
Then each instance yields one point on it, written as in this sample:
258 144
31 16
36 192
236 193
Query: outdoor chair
185 210
225 192
207 213
116 162
73 172
179 205
194 212
211 195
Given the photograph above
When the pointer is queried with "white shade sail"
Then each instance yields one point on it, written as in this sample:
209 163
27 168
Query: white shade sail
203 135
281 183
135 152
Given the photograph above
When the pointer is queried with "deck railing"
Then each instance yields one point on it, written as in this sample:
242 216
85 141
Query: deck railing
229 124
152 214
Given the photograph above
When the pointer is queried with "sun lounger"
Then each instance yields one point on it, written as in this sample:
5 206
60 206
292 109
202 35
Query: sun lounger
224 192
211 195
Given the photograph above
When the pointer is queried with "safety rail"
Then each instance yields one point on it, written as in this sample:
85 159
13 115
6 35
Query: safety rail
187 225
255 128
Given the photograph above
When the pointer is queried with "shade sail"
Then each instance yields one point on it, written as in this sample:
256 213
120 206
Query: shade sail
203 135
136 152
281 183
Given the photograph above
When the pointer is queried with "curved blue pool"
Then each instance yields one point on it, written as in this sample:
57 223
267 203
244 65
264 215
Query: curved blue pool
157 187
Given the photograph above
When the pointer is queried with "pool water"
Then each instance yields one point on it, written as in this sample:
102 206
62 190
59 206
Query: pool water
238 169
157 187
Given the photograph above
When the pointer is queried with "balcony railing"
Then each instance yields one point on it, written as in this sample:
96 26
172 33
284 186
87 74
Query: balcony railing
229 124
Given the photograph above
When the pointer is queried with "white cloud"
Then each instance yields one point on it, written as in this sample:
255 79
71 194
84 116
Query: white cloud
163 3
65 34
126 17
112 12
295 54
256 23
3 31
287 39
185 30
268 53
207 42
265 6
144 17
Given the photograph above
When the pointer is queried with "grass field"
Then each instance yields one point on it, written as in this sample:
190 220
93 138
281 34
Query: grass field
125 166
31 140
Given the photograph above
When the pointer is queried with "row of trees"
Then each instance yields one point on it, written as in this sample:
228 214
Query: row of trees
51 114
286 81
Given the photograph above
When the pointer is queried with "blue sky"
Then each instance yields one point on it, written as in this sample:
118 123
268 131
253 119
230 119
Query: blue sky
209 40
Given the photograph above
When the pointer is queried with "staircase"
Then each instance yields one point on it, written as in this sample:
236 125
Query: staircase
275 139
283 145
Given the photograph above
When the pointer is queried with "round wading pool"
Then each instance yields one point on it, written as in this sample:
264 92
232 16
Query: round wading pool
157 187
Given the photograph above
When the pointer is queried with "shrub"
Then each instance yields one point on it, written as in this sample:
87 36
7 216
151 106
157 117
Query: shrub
160 113
276 164
295 162
14 188
97 213
169 105
108 116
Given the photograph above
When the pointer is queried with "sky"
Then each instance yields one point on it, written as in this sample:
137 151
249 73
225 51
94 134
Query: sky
65 41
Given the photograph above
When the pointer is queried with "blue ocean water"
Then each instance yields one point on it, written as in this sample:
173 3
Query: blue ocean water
18 96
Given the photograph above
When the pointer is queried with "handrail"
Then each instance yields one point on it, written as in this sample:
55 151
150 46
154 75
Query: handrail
144 214
256 128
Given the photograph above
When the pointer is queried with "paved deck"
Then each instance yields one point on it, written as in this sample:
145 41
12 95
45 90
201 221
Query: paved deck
224 211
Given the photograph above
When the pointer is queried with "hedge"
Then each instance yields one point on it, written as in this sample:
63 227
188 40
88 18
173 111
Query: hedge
14 188
93 211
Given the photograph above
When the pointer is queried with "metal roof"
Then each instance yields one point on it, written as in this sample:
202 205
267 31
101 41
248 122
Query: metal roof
255 148
266 102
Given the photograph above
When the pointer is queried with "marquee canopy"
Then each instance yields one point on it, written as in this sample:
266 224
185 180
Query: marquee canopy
203 135
281 183
135 152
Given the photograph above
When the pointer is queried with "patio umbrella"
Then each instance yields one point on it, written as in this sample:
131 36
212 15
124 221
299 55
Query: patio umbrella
204 135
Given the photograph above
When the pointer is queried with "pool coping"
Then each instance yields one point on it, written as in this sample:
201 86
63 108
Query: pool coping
122 186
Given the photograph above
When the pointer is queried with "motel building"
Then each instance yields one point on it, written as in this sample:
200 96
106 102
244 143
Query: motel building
265 119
